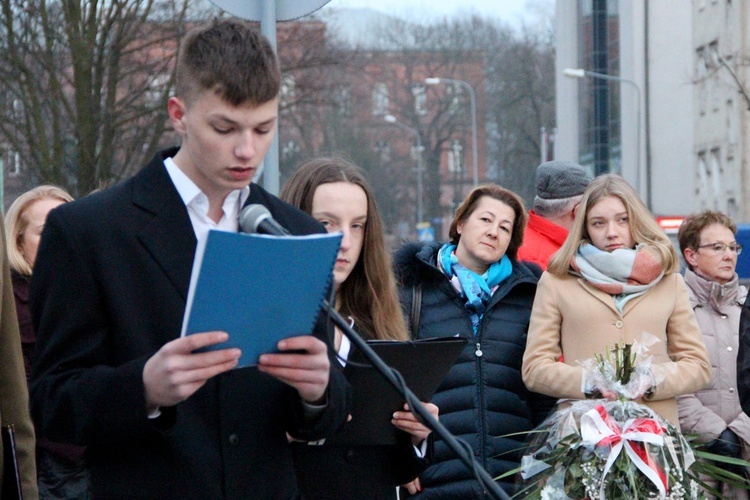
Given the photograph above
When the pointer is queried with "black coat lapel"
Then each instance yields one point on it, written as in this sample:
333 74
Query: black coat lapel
169 238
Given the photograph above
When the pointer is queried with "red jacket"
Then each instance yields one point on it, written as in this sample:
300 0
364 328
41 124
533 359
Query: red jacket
541 239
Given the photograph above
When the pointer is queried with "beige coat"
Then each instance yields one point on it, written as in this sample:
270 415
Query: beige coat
14 396
709 411
573 319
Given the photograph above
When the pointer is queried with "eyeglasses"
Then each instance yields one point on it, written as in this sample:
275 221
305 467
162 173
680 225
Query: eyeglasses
720 248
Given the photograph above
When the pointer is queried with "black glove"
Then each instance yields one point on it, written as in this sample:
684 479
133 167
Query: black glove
727 445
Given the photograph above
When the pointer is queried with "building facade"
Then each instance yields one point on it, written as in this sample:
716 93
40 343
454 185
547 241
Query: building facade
384 109
656 132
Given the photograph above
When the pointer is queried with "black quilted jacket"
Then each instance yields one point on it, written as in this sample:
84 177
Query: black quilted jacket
483 398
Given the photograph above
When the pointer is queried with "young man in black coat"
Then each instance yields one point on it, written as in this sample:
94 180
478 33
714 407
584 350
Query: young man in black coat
109 293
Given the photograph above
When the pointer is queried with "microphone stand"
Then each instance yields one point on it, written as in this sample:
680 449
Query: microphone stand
459 447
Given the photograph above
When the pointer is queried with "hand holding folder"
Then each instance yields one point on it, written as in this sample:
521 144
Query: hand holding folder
259 289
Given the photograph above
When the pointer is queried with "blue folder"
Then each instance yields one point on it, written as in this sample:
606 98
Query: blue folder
259 289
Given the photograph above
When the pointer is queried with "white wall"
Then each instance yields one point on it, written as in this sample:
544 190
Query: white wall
566 89
670 99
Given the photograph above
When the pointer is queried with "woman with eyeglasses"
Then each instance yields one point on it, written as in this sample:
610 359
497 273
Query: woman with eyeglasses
707 242
615 277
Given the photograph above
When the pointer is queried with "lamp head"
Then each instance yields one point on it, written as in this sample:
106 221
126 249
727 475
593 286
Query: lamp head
574 73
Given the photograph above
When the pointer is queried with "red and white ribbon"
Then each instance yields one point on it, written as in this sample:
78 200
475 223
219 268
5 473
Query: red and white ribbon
598 428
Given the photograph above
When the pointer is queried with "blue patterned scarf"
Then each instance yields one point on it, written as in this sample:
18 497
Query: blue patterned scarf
475 288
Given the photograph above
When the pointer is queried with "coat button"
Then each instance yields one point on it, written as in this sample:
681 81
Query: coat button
234 439
618 324
731 389
730 348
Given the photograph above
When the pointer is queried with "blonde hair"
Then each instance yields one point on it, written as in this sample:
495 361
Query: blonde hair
643 226
16 222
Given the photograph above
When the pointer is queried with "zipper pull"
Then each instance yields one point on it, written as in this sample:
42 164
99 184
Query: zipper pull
478 352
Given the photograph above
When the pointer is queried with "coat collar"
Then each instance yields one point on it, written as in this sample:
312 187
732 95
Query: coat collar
550 230
719 297
169 237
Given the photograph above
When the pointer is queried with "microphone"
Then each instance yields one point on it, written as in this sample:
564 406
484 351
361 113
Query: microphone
257 219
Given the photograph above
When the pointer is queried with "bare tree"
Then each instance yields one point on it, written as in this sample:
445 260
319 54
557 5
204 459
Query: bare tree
84 85
521 76
333 107
405 56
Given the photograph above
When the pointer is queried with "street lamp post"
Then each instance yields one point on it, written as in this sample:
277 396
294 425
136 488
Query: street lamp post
474 154
393 121
582 73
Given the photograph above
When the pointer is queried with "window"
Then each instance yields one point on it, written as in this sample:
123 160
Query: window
287 93
383 149
701 73
712 57
456 93
455 157
716 175
289 150
419 92
703 176
156 88
343 99
731 127
713 63
380 100
10 162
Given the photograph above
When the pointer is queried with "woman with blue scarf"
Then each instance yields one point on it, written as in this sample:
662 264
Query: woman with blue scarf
473 287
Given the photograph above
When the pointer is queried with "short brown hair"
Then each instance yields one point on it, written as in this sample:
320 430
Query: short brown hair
231 58
498 193
689 234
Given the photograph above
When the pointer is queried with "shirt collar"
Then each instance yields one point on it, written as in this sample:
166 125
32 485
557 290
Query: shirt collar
189 191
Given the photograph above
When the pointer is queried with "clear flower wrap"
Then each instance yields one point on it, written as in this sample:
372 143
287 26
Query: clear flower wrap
612 447
622 373
608 449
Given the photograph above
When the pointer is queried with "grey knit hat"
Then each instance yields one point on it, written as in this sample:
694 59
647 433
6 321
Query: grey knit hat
561 179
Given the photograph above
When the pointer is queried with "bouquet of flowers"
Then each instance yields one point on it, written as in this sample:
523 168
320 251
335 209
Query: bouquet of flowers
613 447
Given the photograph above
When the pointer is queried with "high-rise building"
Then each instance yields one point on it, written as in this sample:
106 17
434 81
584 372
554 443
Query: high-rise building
640 120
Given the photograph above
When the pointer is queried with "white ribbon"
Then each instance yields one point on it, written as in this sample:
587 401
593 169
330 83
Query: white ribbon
595 430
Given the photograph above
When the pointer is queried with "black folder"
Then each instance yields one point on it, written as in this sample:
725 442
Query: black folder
422 363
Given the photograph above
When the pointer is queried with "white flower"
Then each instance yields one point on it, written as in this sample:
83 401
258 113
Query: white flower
550 493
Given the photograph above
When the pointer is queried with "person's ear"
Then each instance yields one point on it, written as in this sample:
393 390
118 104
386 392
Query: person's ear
691 256
575 209
177 110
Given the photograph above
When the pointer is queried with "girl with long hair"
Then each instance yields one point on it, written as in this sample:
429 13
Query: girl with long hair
615 277
336 193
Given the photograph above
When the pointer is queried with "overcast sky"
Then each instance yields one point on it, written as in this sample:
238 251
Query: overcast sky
510 11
